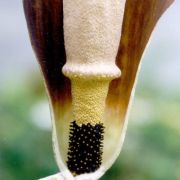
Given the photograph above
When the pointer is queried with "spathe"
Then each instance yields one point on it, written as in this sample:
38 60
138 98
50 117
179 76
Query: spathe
45 24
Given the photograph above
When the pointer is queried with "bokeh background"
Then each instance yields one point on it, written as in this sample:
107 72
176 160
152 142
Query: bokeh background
152 147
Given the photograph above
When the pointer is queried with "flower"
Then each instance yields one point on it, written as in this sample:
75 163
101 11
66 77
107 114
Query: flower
81 65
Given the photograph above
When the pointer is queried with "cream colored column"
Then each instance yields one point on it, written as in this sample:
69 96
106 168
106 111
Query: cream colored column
92 31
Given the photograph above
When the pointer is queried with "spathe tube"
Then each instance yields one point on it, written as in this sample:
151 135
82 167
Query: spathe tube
45 24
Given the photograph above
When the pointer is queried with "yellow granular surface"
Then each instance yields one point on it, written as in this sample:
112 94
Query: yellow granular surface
88 98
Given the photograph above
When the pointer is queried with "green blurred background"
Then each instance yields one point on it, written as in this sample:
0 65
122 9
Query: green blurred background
152 148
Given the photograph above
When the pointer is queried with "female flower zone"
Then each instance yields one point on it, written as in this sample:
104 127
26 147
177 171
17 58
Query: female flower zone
89 53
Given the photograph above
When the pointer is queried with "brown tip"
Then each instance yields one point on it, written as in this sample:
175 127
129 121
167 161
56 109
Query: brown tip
45 25
139 21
